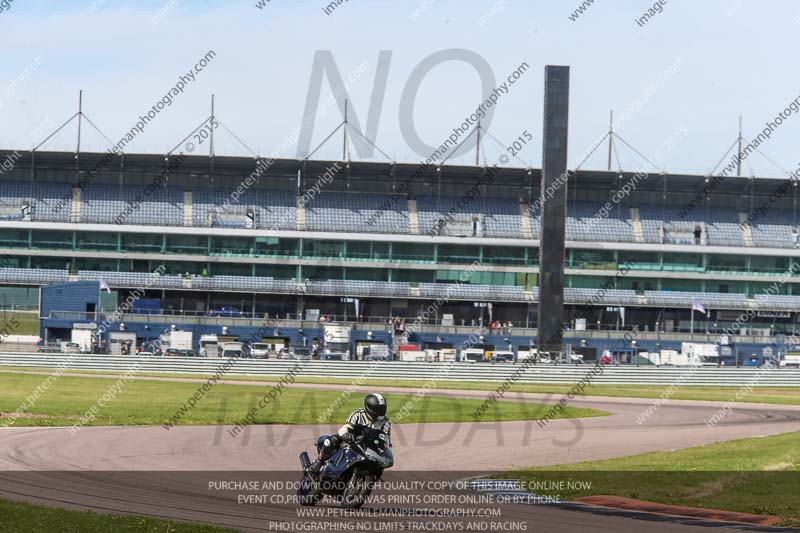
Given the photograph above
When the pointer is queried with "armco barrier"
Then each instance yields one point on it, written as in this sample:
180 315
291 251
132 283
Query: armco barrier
486 372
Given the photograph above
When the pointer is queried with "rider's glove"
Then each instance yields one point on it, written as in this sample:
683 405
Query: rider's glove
348 438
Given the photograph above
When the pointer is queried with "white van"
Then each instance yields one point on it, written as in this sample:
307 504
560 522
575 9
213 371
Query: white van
260 350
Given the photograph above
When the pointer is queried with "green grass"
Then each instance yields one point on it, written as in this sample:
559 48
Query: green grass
153 402
20 322
766 394
26 518
757 476
760 394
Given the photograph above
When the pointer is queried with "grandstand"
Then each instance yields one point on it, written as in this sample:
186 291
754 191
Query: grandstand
367 235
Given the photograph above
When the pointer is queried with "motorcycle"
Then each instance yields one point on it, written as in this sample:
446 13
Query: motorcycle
351 471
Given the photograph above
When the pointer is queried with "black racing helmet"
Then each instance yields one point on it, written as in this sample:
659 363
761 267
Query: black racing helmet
375 405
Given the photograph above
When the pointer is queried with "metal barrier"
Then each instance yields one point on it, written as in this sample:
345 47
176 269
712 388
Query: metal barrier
422 371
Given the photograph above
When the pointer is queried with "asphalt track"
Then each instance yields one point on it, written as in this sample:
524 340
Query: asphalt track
150 471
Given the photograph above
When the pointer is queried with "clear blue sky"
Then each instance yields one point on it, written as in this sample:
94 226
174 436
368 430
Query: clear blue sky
736 57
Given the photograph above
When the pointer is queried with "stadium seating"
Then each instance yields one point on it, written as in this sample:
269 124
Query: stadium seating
583 295
381 213
775 229
469 291
30 275
582 224
498 217
37 201
335 211
109 204
457 291
271 209
359 288
708 299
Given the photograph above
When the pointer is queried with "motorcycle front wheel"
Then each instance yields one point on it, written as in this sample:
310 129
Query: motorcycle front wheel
308 493
357 490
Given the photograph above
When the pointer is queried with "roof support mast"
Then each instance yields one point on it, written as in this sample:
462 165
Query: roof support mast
478 145
739 163
610 136
344 142
211 137
78 144
80 115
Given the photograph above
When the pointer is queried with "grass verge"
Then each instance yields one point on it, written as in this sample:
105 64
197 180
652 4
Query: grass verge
68 398
26 518
760 394
758 475
20 322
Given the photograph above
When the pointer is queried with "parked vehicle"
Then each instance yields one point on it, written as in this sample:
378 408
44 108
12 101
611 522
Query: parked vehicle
187 353
377 352
146 354
171 352
70 347
297 353
336 339
472 355
791 359
83 337
209 345
377 357
502 357
234 349
177 340
577 359
259 350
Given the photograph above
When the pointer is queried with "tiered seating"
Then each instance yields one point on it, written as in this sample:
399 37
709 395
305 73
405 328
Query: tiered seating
582 224
132 279
38 201
774 229
272 209
723 227
336 211
499 217
575 296
359 288
31 275
378 213
536 221
127 204
245 283
476 292
663 224
778 302
598 296
685 299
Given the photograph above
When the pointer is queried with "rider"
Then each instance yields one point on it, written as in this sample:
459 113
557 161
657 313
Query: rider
373 414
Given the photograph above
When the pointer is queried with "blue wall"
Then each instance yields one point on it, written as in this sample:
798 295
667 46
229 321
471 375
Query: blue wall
70 296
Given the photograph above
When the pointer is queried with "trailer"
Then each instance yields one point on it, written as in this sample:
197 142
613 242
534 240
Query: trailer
209 345
121 342
791 359
181 340
83 336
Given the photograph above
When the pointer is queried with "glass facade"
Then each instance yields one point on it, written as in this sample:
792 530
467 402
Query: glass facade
426 261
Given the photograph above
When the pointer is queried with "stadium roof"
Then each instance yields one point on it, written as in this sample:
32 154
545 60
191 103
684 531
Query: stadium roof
203 166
